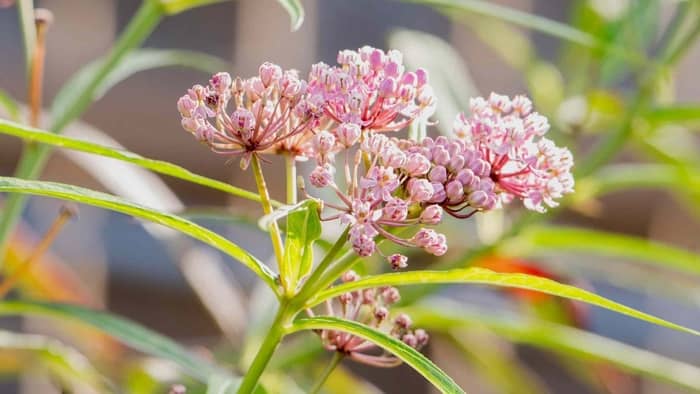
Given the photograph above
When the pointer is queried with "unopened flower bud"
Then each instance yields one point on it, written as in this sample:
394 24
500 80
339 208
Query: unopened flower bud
403 321
431 215
397 261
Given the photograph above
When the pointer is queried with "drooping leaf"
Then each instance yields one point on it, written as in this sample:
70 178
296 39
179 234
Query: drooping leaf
490 278
594 242
445 315
136 61
67 363
162 167
296 12
103 200
134 335
404 352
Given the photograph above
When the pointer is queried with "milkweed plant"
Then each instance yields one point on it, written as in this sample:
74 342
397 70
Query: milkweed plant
369 183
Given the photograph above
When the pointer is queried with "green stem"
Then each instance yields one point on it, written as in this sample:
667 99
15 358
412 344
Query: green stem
311 284
275 236
25 9
267 349
291 171
34 156
337 357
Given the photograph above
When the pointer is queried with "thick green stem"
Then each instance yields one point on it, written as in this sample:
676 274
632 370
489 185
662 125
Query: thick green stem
267 349
275 236
34 156
337 357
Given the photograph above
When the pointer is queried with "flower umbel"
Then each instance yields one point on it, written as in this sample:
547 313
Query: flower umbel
269 109
370 307
508 136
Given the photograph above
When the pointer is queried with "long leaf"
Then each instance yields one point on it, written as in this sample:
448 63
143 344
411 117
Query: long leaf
62 360
134 335
136 61
491 278
296 12
404 352
107 201
511 15
678 114
445 315
162 167
608 244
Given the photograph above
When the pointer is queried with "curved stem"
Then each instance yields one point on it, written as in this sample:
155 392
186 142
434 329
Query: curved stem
266 203
267 349
337 357
291 171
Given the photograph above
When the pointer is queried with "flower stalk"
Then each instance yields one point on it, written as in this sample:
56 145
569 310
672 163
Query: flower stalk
337 358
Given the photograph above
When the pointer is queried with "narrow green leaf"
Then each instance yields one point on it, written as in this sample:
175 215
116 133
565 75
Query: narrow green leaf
491 278
173 7
134 335
404 352
677 114
445 315
295 10
604 243
282 212
25 9
107 201
511 15
10 105
134 62
616 177
162 167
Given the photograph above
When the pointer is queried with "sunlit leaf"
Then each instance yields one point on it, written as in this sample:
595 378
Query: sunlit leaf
487 277
172 7
295 10
102 200
134 335
444 315
604 243
677 114
162 167
303 229
136 61
404 352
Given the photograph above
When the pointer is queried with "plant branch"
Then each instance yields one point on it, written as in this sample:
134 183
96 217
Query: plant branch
337 357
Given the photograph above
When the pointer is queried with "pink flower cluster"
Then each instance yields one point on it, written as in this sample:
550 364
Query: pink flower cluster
271 109
385 184
508 136
372 89
370 307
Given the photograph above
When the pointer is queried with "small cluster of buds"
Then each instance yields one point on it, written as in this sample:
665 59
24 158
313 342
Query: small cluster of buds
270 110
370 307
371 89
508 135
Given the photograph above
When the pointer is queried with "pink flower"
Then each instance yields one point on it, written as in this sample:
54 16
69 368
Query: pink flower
371 88
271 113
506 141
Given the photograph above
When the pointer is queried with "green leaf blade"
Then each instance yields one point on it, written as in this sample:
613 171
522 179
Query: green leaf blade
162 167
404 352
103 200
134 335
487 277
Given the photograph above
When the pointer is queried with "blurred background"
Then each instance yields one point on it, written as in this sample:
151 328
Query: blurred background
148 274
